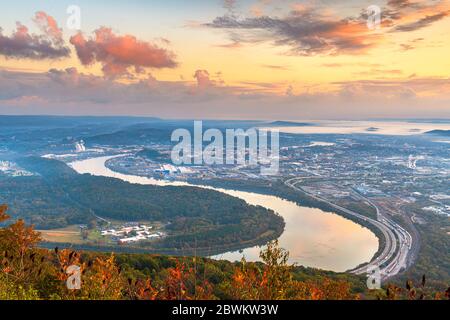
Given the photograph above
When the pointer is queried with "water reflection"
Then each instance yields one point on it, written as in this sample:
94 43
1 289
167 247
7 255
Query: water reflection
313 237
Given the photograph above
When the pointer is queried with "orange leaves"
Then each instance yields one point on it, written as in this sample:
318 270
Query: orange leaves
19 238
7 269
175 283
65 259
3 215
239 278
17 257
103 280
204 291
247 283
28 272
274 281
100 279
141 290
185 283
271 283
328 289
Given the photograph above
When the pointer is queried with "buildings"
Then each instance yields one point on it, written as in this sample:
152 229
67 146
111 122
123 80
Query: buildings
131 234
80 147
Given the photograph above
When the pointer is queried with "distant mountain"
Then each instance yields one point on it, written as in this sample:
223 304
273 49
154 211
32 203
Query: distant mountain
439 132
133 136
289 124
67 121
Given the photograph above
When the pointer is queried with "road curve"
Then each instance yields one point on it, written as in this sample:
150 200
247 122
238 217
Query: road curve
393 258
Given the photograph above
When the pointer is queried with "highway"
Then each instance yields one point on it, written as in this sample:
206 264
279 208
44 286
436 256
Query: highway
398 242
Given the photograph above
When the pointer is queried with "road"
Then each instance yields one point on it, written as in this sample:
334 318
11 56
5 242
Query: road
398 242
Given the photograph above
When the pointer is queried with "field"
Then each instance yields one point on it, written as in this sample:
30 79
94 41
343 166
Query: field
70 234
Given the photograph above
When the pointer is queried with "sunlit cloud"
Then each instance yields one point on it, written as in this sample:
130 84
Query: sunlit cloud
118 54
314 59
24 45
71 92
310 30
422 23
306 32
408 16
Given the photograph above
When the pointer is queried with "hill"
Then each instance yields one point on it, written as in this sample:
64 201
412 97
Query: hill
207 220
30 273
289 124
445 133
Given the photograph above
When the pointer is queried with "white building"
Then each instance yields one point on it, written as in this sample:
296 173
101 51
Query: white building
80 147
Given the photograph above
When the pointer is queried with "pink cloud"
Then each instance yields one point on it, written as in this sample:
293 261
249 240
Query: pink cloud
23 45
203 79
49 26
118 53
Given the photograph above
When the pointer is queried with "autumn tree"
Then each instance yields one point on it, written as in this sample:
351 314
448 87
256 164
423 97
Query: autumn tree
17 252
271 282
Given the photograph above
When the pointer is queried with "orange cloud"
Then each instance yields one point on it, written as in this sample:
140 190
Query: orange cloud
118 53
310 30
408 15
306 31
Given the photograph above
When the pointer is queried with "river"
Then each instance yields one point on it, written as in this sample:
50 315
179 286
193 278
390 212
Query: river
313 237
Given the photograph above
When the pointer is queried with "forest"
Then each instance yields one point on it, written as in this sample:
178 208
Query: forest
195 217
28 272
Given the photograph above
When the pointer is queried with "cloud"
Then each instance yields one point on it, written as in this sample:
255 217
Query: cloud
203 79
118 53
305 31
374 90
400 4
290 91
24 101
275 67
229 4
409 16
49 26
232 45
422 23
309 30
72 92
406 47
256 10
382 72
72 86
397 88
23 45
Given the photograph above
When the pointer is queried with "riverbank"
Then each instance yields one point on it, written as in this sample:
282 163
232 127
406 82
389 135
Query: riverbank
314 238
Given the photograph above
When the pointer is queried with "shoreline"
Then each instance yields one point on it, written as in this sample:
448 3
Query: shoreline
344 255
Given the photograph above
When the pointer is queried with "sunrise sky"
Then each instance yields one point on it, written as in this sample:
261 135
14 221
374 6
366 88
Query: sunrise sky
234 59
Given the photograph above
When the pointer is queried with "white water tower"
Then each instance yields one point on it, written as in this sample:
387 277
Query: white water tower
79 146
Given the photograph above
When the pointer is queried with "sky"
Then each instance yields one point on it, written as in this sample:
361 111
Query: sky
227 59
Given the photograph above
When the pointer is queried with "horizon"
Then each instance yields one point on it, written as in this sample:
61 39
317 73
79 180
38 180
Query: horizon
226 119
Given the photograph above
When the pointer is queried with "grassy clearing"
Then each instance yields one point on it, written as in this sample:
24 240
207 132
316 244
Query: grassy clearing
70 234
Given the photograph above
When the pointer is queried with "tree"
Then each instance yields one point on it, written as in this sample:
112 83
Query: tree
3 215
272 282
